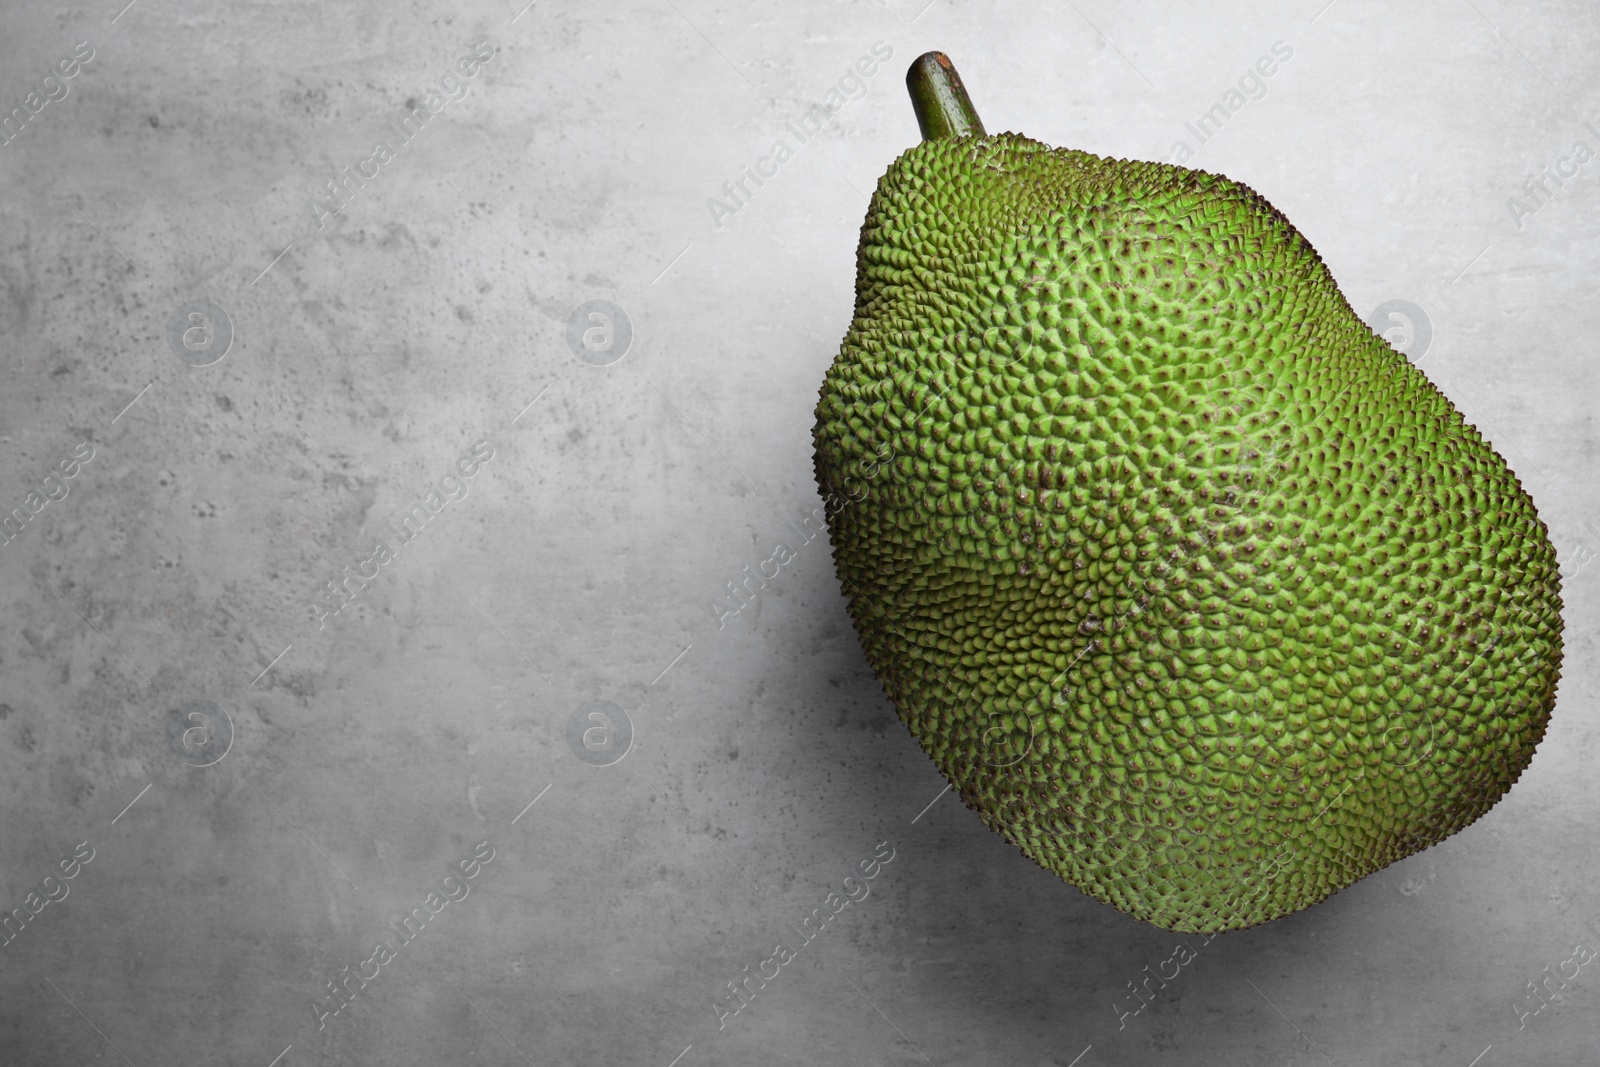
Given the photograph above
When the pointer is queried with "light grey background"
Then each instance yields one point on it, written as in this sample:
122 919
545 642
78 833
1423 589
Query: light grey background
585 563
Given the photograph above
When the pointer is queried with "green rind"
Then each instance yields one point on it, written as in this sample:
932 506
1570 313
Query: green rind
1195 589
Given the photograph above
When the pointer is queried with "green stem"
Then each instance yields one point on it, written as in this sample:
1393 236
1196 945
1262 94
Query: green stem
941 102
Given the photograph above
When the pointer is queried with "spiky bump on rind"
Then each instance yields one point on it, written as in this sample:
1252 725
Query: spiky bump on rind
1196 590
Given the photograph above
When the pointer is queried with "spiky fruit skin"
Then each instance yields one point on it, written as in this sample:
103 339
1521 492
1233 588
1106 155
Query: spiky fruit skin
1196 590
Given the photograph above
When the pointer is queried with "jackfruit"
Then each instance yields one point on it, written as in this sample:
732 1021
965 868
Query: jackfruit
1195 589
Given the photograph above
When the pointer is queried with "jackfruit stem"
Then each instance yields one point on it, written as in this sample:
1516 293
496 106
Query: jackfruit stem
940 100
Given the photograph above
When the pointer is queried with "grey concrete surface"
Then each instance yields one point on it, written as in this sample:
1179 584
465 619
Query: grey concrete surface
262 787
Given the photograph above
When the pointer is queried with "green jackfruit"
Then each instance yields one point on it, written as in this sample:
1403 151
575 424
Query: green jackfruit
1196 590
